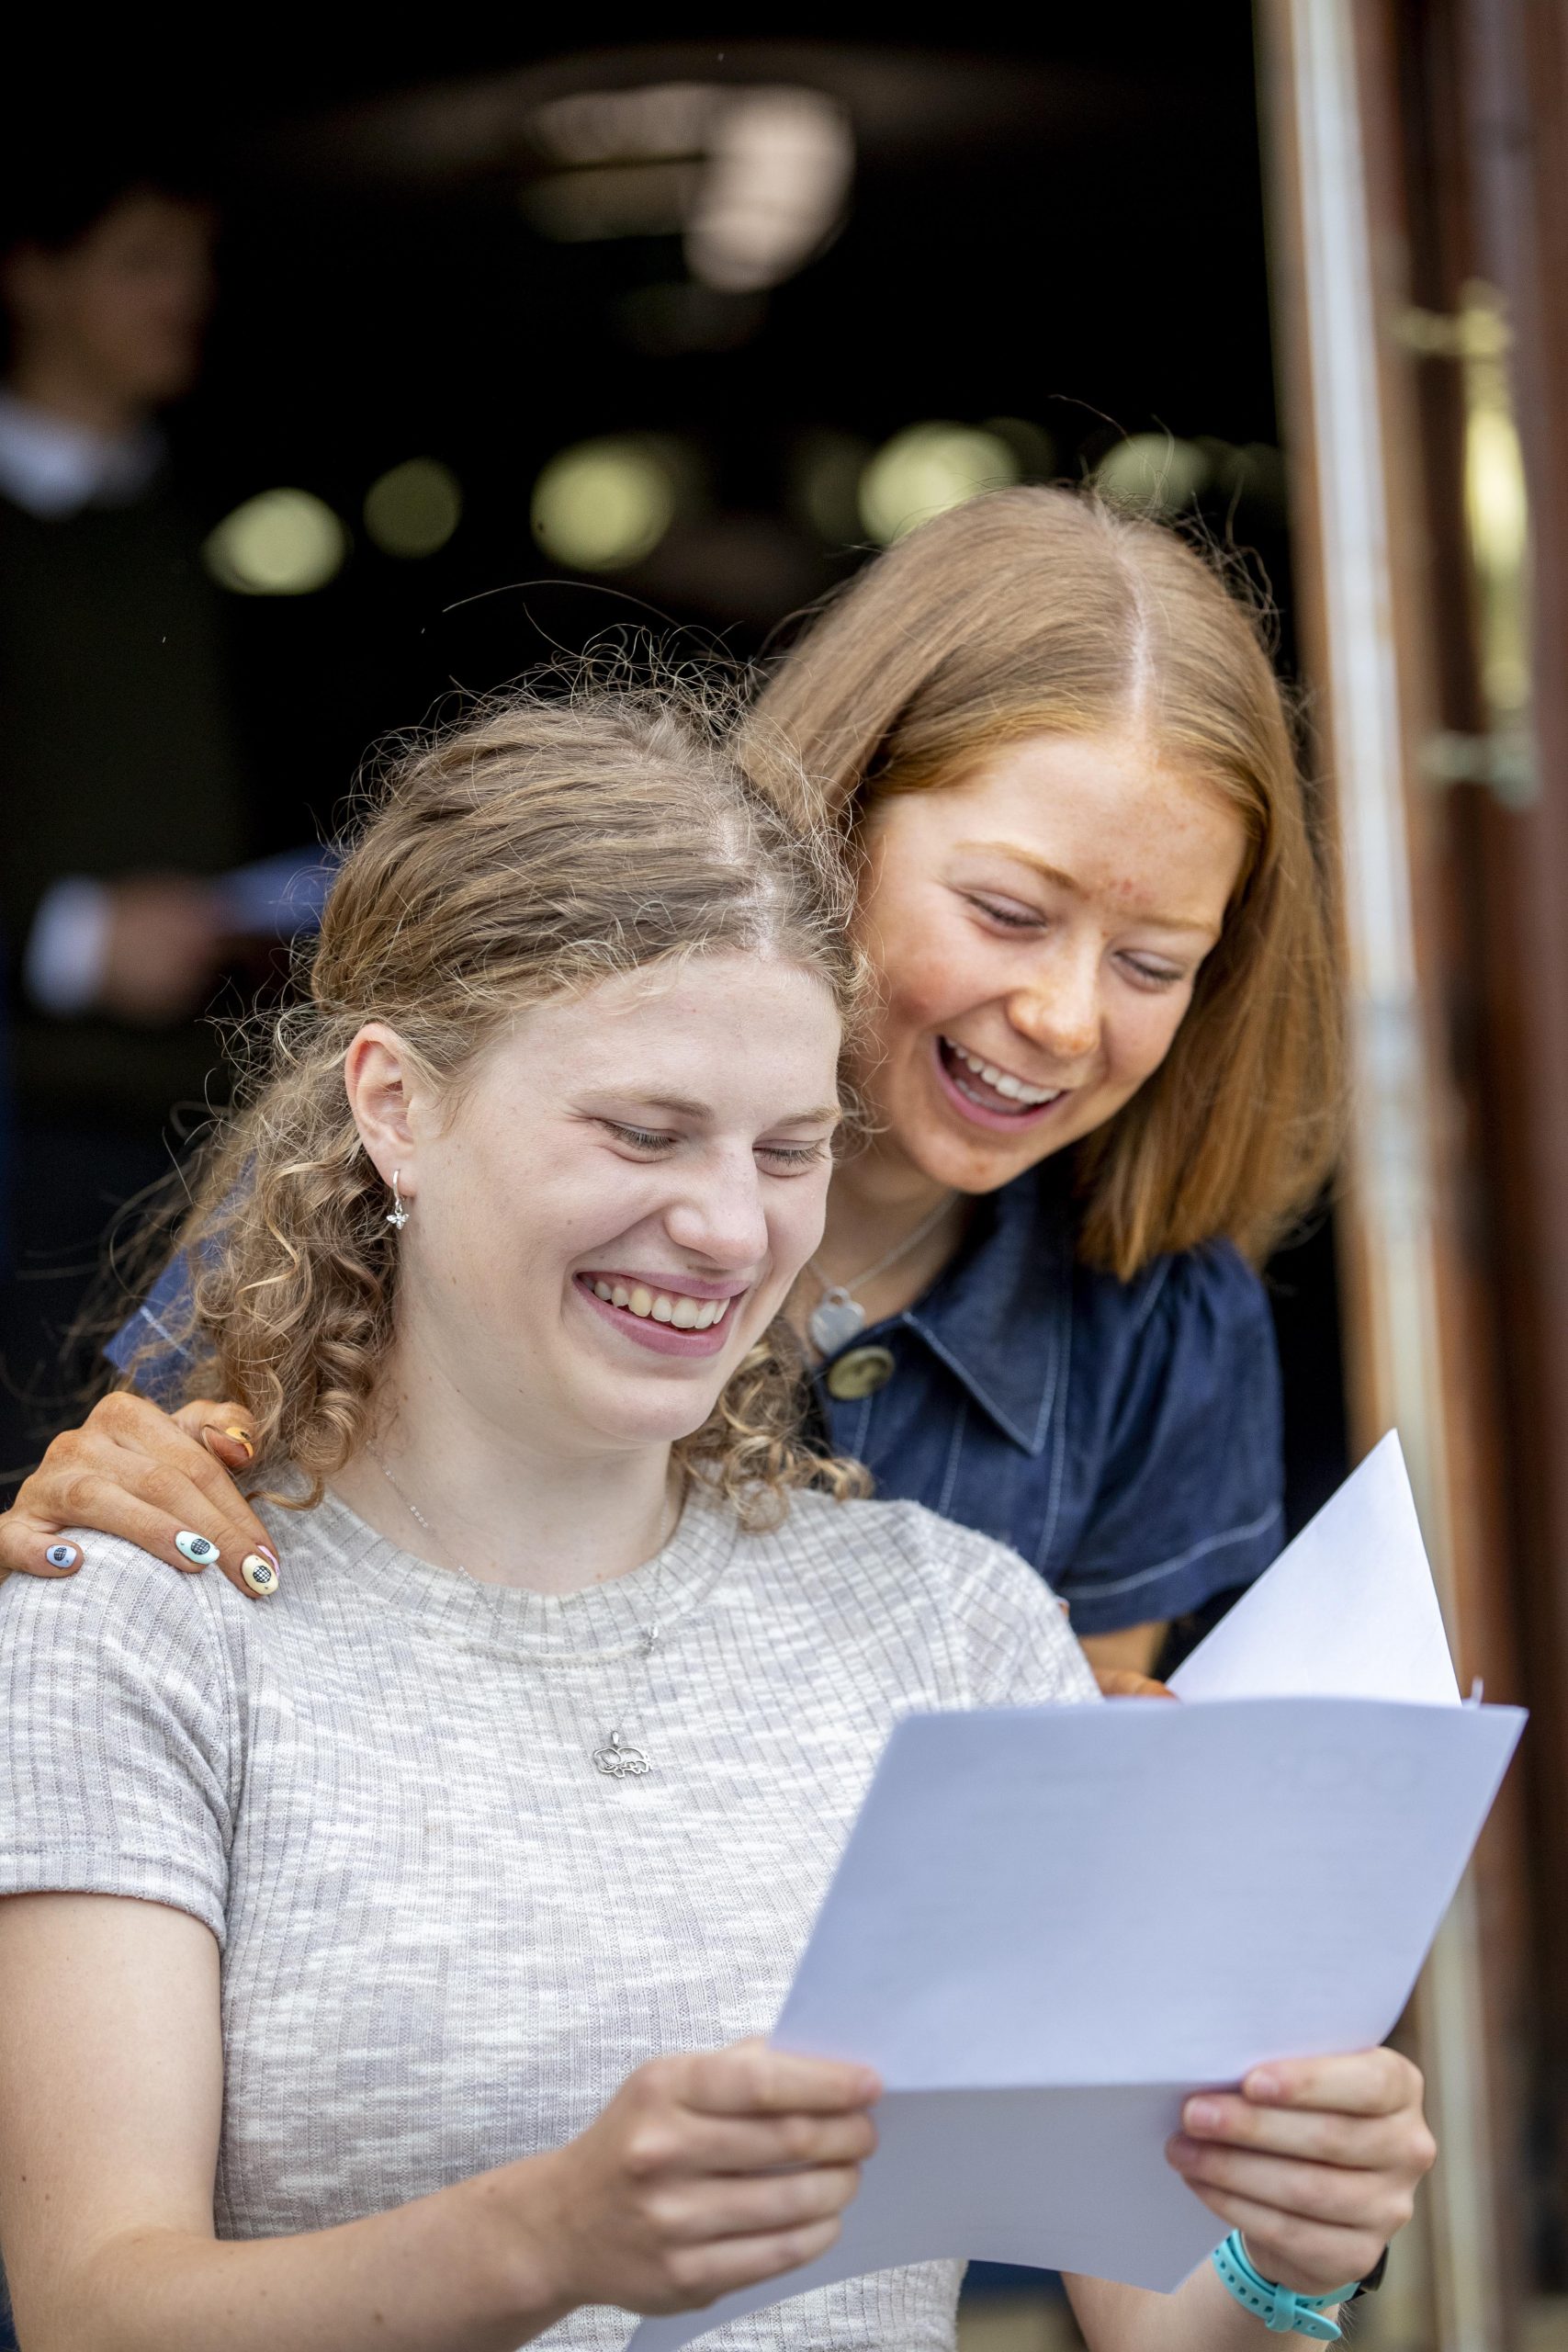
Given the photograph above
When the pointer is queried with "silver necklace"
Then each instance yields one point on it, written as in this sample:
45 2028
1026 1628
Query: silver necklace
837 1317
618 1759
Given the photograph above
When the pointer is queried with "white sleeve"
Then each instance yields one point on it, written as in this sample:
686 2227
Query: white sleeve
63 964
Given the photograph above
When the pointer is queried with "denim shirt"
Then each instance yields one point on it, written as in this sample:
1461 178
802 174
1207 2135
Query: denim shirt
1124 1437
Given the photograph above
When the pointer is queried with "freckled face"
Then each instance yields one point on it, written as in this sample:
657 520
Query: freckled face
1039 928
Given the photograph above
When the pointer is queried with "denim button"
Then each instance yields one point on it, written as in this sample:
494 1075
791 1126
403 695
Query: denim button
860 1372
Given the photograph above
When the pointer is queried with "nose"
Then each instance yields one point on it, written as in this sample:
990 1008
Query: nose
719 1214
1059 1011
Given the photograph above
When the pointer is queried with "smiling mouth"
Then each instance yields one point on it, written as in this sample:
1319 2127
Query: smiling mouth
643 1304
991 1088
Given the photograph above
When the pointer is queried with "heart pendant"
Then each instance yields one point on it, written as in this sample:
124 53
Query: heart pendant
620 1763
835 1322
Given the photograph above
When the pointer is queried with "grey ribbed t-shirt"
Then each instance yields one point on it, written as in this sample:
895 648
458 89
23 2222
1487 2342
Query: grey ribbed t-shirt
446 1937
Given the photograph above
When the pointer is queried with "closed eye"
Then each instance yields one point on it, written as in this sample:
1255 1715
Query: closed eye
1153 976
641 1139
792 1157
1009 912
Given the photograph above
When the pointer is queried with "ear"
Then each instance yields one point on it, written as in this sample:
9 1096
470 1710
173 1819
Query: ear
388 1101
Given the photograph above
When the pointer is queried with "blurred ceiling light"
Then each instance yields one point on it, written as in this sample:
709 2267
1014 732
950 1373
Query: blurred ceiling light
773 191
926 468
280 543
755 176
604 504
414 509
608 126
1496 509
1151 471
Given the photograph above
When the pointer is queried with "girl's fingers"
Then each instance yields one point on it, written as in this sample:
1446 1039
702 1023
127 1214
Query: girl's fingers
750 2079
129 1471
1310 2258
223 1428
1379 2203
1364 2143
709 2271
31 1546
1121 1682
1366 2082
735 2207
188 1511
176 1526
722 2143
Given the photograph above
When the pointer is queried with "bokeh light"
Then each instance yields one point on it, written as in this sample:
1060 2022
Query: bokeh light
1152 474
413 509
926 468
280 543
604 504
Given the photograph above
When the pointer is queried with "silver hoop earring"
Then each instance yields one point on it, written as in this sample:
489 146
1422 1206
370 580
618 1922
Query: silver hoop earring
397 1215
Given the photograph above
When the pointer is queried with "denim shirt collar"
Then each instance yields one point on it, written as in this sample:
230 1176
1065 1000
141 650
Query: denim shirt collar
1001 1315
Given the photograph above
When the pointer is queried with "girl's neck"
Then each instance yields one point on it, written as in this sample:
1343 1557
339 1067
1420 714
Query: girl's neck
877 1199
501 1507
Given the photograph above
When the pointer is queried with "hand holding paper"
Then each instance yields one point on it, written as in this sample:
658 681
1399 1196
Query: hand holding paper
1051 1925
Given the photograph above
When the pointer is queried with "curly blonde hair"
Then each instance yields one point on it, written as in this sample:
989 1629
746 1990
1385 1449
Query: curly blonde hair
536 848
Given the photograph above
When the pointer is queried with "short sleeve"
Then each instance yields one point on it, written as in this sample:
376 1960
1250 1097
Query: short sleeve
118 1753
1190 1496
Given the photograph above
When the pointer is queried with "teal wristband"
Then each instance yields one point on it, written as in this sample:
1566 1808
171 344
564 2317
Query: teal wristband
1282 2311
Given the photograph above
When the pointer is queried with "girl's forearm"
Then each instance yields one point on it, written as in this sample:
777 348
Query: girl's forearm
1202 2316
464 2271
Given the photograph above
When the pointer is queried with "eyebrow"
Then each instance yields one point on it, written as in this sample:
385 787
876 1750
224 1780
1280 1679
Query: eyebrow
683 1108
1049 873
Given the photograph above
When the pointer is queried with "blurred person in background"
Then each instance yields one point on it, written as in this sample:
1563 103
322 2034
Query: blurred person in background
122 794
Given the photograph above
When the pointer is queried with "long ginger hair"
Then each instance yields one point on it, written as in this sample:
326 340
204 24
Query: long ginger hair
1037 610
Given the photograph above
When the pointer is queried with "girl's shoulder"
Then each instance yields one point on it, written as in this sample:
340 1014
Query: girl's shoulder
120 1729
1010 1625
171 1645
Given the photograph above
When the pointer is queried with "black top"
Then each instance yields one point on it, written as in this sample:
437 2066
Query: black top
117 757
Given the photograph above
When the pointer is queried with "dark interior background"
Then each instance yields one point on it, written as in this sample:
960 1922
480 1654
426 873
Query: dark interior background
1064 230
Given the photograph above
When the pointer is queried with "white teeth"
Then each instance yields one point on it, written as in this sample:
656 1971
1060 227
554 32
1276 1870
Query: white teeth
674 1307
1031 1097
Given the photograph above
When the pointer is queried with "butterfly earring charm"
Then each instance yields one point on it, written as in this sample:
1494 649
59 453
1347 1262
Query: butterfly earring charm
397 1215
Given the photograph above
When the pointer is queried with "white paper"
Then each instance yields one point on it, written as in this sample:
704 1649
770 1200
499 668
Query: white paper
1348 1609
1051 1925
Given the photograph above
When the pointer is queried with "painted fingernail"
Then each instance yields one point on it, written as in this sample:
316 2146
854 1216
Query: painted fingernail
268 1554
244 1437
1200 2115
63 1555
259 1573
198 1548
